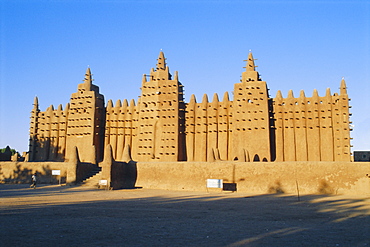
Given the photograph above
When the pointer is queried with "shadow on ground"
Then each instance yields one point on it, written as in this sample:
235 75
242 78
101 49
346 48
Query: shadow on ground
55 216
24 190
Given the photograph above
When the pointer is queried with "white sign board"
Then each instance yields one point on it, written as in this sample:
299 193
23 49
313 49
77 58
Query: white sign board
214 183
103 182
55 172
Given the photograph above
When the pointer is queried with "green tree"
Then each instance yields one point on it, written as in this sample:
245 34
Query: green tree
12 150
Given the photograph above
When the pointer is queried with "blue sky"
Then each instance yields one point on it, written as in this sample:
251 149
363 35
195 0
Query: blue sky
46 47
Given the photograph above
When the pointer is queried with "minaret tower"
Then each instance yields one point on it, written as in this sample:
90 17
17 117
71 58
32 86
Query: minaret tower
86 121
33 130
341 124
251 116
161 116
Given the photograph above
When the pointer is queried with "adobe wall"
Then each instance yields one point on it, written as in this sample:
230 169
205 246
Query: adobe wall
21 172
121 126
317 126
250 177
261 177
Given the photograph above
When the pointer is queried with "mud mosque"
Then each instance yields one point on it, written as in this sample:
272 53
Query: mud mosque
252 143
162 127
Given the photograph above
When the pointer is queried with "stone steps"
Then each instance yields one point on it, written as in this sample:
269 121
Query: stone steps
93 179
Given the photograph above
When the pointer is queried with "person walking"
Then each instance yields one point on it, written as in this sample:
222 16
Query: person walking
34 181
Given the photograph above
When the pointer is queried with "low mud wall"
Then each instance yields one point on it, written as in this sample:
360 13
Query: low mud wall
21 172
251 177
259 177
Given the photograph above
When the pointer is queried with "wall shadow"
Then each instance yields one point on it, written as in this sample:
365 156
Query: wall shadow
44 150
124 175
276 188
162 218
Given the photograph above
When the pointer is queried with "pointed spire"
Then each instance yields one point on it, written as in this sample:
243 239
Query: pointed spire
302 98
226 97
151 71
192 99
205 98
67 107
215 101
88 76
250 74
125 103
144 79
27 157
118 103
250 63
290 94
132 102
315 93
50 108
328 93
279 95
36 103
110 104
176 77
205 102
60 108
215 98
343 87
161 64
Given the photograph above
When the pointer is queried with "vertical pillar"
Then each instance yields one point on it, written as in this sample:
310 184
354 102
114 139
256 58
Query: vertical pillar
190 128
300 128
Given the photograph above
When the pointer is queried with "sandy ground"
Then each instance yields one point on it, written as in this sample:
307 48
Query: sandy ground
54 215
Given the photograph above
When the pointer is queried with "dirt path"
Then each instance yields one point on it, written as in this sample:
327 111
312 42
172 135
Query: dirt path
77 216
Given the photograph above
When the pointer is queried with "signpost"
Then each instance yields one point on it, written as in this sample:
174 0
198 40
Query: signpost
56 173
104 183
214 183
219 184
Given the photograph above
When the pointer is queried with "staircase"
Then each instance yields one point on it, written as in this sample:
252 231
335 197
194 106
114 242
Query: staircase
93 178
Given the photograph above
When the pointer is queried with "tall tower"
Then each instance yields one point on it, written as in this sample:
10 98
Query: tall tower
341 124
86 121
161 107
251 116
33 130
